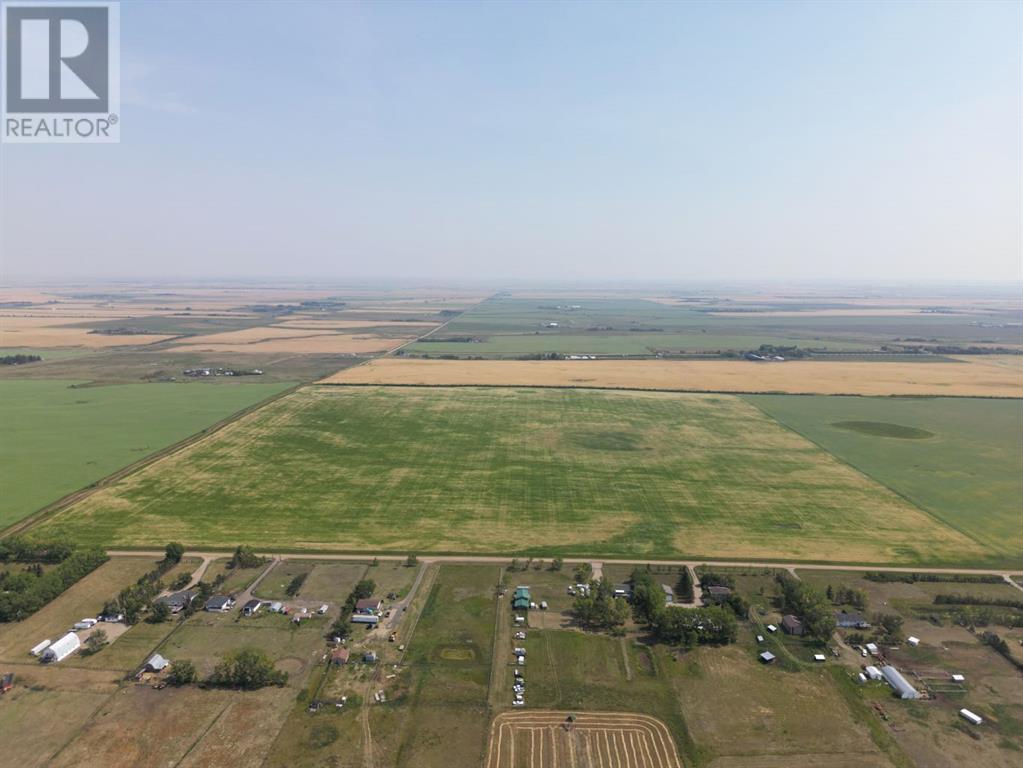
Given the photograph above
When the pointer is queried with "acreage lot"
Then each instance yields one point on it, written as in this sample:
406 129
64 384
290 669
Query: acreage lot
504 470
58 438
961 459
965 377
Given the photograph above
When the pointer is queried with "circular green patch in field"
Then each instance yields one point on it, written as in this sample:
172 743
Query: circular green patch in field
606 440
884 429
323 735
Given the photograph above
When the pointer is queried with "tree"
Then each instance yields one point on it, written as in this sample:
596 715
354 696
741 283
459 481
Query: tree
248 669
173 552
182 672
685 585
161 612
557 564
890 624
600 609
691 626
96 641
582 573
245 557
411 561
647 597
295 585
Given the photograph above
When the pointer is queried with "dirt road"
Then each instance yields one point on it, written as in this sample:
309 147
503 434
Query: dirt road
426 560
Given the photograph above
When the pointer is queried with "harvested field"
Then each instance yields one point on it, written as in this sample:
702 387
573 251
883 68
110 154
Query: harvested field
536 471
540 739
303 342
969 377
51 332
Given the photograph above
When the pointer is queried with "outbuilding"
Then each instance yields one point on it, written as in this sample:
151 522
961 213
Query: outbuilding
971 716
767 657
61 649
899 683
365 618
792 624
851 620
156 663
873 672
914 641
252 607
38 649
819 657
669 594
339 656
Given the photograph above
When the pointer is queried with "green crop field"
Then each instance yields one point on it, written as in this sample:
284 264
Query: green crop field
629 325
59 438
515 470
960 459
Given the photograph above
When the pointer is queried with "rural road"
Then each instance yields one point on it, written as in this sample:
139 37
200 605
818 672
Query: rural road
500 560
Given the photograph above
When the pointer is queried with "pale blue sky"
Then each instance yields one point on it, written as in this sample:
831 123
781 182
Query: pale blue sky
541 140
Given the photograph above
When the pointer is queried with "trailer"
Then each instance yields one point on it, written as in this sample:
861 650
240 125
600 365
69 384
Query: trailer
972 717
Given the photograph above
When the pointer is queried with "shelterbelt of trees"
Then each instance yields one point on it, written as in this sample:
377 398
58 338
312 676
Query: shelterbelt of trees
25 586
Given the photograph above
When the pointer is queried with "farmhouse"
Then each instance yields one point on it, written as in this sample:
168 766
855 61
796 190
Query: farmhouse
156 663
62 648
623 590
252 606
178 601
851 620
219 603
368 605
899 683
792 625
520 600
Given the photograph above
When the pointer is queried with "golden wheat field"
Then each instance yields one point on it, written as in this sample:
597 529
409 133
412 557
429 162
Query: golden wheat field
988 376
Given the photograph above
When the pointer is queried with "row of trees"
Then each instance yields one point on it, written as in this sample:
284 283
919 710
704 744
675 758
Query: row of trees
847 596
247 669
19 549
910 578
600 609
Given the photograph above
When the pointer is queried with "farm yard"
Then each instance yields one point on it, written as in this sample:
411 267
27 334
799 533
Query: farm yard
537 471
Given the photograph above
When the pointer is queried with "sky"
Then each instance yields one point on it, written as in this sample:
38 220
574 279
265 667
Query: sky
540 141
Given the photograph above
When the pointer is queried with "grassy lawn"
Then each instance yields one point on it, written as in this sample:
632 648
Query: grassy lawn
515 470
58 439
449 660
960 459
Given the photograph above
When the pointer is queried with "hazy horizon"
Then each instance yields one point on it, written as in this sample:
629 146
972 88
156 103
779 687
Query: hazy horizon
541 143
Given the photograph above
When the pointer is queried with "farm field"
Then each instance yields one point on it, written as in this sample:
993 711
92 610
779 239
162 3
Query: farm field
960 459
627 323
995 376
59 438
501 470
